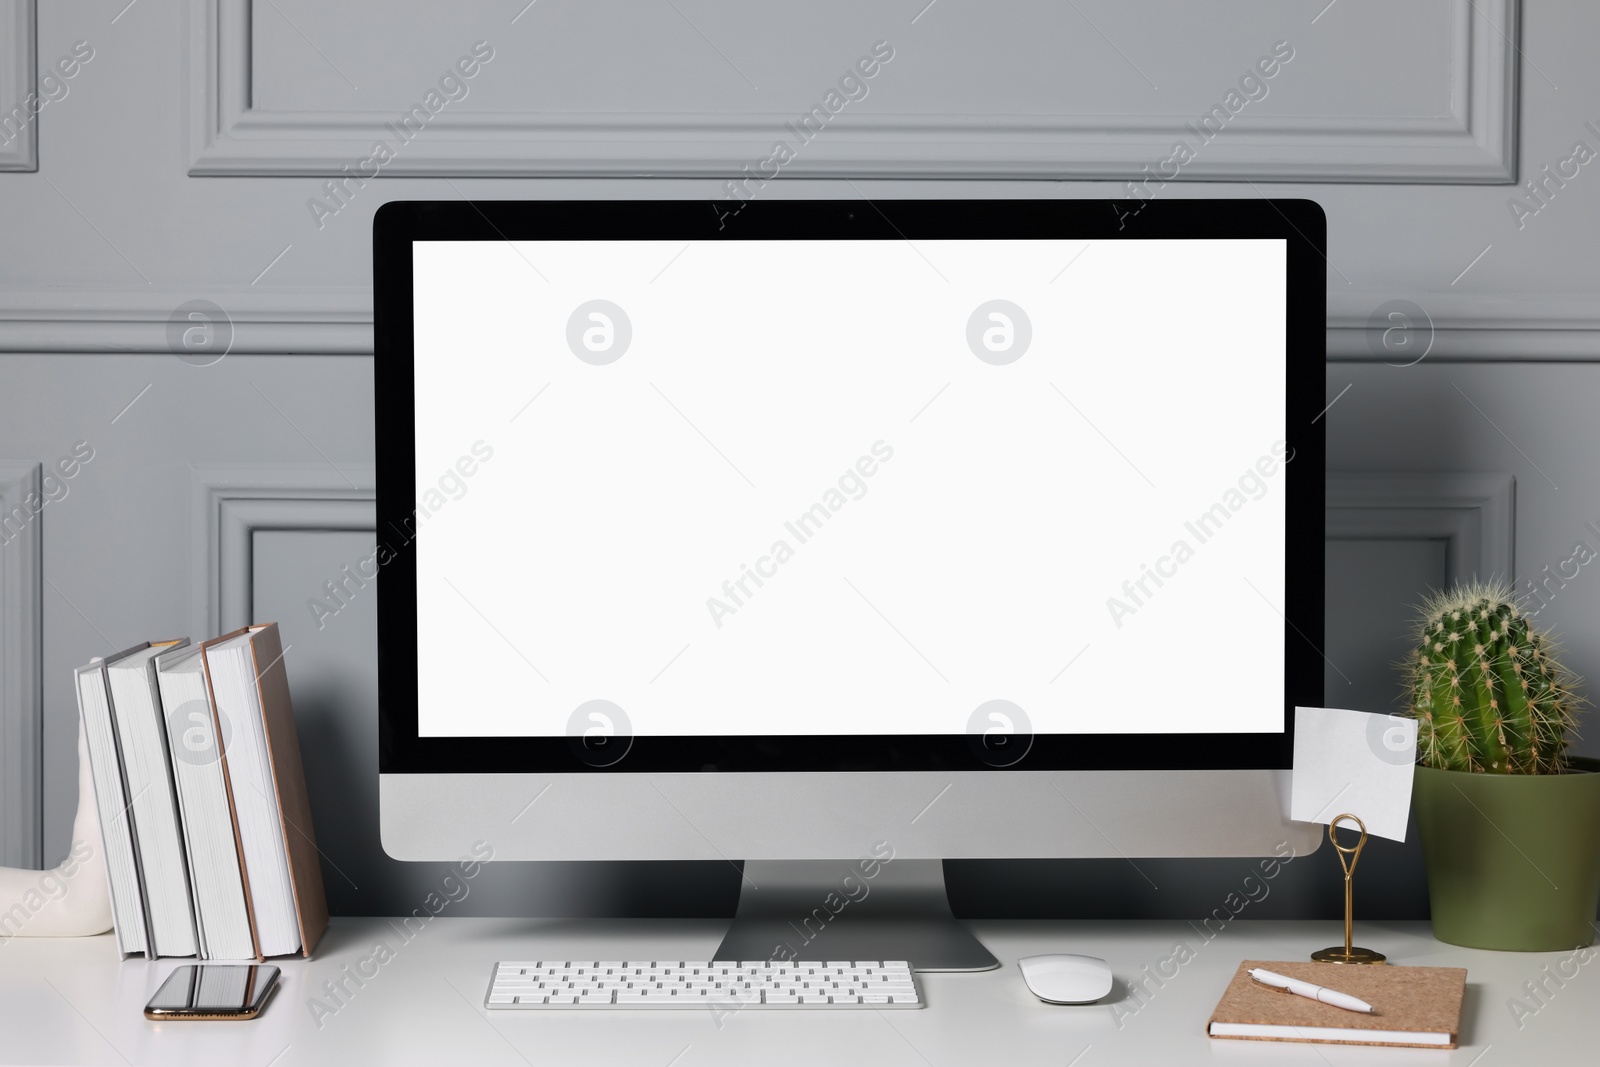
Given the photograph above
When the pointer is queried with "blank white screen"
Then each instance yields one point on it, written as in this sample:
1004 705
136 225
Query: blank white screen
586 556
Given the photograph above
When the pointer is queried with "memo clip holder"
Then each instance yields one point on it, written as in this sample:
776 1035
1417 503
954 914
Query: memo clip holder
1348 857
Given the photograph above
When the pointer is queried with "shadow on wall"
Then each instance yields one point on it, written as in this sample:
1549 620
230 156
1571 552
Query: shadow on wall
340 752
1390 884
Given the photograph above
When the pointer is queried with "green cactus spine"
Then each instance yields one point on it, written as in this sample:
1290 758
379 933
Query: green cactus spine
1486 688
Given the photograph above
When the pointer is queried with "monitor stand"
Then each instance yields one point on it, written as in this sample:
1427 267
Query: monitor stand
826 910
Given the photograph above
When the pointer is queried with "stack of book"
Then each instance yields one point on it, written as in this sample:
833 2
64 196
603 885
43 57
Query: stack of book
202 799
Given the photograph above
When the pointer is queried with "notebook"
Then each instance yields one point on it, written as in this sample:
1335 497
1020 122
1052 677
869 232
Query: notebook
152 800
271 810
1416 1007
215 875
111 802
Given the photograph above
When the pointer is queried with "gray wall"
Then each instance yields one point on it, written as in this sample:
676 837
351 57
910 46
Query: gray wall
182 160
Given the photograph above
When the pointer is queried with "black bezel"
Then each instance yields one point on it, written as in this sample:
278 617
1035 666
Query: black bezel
1300 223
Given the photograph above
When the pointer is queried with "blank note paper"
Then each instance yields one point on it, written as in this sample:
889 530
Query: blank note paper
1353 762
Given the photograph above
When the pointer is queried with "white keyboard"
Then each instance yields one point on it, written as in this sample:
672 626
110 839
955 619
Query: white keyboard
722 985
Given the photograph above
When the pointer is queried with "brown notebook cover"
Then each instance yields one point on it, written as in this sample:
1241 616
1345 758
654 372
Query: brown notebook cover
1412 999
288 774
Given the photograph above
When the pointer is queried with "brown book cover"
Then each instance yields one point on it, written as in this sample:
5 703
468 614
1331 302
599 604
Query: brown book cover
1407 1001
288 774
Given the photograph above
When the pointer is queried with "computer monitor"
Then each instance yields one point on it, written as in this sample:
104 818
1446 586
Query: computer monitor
836 538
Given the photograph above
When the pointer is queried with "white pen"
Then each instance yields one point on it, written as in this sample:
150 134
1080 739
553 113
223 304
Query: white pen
1310 991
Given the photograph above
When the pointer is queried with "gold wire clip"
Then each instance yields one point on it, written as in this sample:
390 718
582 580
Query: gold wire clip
1348 858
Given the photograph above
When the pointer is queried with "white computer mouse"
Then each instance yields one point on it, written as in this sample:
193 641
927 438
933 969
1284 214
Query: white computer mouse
1065 979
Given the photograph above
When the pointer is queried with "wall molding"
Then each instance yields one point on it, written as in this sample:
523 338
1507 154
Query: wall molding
337 321
1474 143
21 671
330 320
1495 327
18 47
1473 513
229 505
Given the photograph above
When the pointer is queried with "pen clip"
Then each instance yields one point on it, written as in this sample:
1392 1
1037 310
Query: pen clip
1269 985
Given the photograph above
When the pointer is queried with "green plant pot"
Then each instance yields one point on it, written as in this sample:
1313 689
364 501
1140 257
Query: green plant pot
1513 859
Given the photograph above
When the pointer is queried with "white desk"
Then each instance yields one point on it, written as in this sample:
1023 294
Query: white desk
71 1002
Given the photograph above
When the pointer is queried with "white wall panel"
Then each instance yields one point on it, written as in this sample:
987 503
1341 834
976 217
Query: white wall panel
1472 515
229 505
21 683
1392 538
18 115
1097 89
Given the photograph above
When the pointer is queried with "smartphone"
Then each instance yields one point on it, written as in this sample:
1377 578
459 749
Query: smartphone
213 991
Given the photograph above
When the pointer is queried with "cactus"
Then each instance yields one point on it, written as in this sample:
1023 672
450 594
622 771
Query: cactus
1486 688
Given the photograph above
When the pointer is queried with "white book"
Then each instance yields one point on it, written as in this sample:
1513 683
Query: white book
214 866
141 729
255 796
111 800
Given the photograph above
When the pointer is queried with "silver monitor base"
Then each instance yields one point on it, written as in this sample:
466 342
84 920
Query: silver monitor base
833 910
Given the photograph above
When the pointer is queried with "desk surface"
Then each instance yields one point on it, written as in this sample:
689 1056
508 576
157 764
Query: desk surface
69 1001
